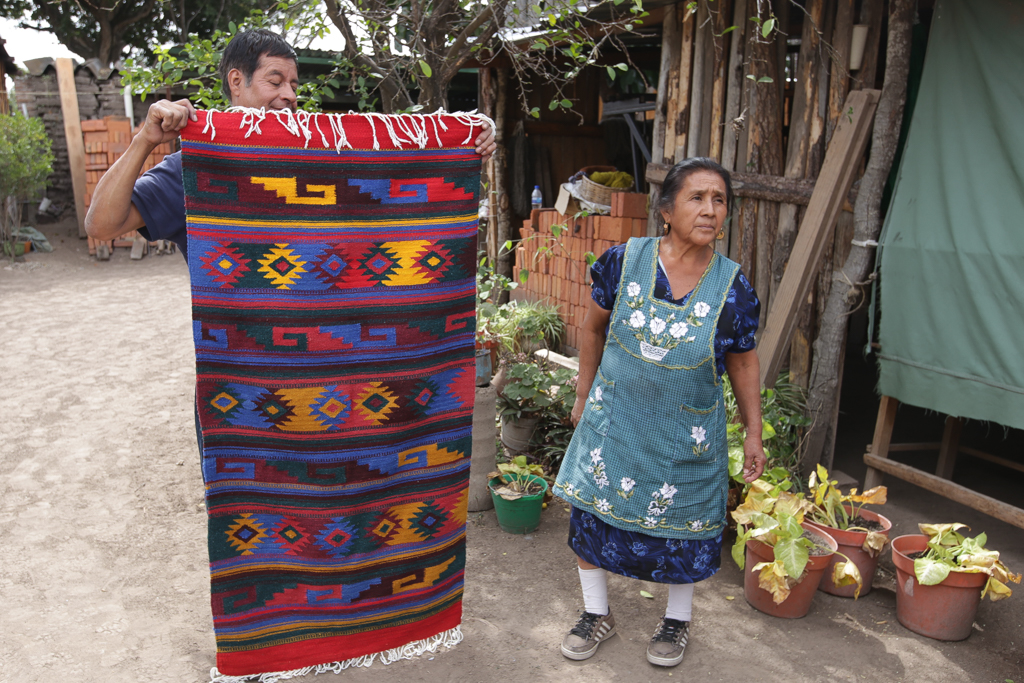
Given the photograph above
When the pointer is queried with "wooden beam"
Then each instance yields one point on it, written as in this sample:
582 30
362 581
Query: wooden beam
73 134
833 184
947 489
988 457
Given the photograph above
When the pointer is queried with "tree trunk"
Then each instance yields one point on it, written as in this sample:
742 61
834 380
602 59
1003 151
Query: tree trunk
504 212
669 52
828 350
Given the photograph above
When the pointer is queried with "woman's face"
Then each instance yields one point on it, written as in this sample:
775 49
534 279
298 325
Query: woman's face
700 208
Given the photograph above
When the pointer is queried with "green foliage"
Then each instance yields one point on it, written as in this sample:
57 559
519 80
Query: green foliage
950 551
384 61
773 515
783 424
834 509
533 387
106 31
26 162
25 156
194 64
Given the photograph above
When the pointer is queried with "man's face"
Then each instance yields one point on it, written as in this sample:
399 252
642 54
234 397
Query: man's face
272 86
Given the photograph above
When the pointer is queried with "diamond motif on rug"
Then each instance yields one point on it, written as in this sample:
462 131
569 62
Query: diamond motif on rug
282 266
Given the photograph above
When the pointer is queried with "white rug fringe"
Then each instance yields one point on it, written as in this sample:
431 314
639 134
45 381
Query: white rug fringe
447 639
402 129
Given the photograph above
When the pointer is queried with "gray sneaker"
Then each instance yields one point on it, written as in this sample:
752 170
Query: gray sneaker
587 634
669 642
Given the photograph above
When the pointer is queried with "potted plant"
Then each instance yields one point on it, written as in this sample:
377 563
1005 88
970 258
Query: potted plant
490 318
941 578
860 533
788 555
518 489
530 388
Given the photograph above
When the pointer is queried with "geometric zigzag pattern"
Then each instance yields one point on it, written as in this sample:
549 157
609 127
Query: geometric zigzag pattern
333 303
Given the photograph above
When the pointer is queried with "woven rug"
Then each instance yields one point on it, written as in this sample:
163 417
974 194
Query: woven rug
332 260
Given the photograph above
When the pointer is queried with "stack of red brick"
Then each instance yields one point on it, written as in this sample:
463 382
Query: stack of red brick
105 141
554 251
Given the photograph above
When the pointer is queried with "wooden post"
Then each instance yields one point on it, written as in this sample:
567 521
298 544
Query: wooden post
73 134
679 107
503 227
764 155
721 59
843 292
735 83
703 29
950 446
829 193
883 437
801 119
872 12
669 56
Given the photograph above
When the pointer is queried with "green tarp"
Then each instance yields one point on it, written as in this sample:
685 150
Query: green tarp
952 257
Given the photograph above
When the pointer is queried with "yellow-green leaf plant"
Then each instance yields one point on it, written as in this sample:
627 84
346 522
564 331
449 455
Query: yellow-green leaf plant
950 551
830 507
773 515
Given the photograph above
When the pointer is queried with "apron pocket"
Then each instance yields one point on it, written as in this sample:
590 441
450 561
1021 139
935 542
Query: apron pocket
598 413
698 433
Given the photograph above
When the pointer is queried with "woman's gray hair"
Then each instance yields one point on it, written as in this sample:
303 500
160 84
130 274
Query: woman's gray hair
680 172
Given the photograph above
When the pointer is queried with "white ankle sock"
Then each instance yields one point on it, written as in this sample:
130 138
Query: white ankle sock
680 602
595 590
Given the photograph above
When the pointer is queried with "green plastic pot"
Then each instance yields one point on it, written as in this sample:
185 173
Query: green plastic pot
522 515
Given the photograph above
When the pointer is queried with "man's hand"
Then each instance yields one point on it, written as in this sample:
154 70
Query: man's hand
166 119
485 144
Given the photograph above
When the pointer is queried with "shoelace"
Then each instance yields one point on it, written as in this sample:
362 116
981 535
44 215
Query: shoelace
670 631
585 626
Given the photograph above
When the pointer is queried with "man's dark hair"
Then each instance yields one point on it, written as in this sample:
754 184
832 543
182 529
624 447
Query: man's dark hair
245 50
680 172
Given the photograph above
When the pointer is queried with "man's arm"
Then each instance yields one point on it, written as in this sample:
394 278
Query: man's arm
111 212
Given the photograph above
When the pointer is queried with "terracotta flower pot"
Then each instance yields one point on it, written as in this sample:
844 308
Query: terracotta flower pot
799 601
945 611
851 544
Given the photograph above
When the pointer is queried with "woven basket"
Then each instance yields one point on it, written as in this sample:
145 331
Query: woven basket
593 192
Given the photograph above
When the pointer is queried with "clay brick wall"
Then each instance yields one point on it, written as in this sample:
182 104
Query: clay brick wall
557 267
38 96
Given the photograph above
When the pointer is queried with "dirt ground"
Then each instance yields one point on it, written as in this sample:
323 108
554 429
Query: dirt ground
104 569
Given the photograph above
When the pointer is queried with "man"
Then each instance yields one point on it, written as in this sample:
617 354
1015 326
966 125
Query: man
258 69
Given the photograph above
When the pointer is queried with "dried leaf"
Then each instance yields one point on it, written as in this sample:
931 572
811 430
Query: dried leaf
933 530
875 496
996 590
846 574
874 543
772 578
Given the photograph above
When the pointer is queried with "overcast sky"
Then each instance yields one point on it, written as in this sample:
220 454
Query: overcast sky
23 44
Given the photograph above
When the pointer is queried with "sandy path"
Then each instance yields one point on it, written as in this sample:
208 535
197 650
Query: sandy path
104 569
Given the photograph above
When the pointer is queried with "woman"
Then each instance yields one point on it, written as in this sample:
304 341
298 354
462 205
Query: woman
646 472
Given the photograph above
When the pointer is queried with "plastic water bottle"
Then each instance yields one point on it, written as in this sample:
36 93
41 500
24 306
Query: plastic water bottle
536 199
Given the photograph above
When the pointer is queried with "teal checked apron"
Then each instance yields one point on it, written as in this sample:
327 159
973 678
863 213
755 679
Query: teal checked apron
650 451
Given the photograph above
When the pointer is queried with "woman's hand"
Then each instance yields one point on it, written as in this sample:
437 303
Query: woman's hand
577 410
754 459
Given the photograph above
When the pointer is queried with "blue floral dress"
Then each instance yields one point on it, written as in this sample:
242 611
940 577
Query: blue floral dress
635 554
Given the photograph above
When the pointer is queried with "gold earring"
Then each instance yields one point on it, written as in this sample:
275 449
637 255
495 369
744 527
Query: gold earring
665 228
720 235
